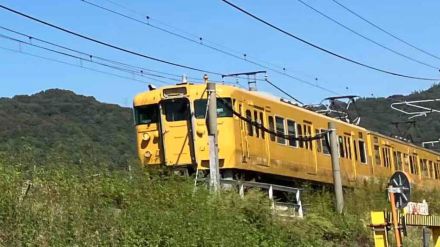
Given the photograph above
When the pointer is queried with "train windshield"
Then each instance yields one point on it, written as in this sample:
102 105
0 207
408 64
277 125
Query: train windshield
146 114
176 110
223 107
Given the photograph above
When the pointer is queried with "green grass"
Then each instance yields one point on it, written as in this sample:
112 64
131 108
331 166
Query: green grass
70 205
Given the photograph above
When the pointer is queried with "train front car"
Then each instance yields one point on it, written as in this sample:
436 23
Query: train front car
171 127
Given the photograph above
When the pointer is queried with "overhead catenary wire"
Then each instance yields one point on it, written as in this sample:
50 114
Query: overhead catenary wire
386 32
366 37
199 41
70 64
105 43
92 57
21 42
326 50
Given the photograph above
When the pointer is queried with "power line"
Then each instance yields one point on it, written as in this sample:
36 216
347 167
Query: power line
92 57
104 43
70 64
107 44
82 59
367 38
325 50
199 41
385 31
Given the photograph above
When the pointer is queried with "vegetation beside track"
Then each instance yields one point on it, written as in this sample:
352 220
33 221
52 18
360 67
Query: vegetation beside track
80 205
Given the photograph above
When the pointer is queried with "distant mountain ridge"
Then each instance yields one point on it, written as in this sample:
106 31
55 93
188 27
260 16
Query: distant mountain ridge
61 125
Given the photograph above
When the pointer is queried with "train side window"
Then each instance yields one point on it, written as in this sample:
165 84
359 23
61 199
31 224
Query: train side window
309 134
377 155
257 121
386 156
241 113
347 147
341 147
262 125
324 144
271 128
437 170
424 167
291 131
355 149
431 169
279 123
318 143
397 161
300 134
250 129
306 133
406 166
413 164
362 152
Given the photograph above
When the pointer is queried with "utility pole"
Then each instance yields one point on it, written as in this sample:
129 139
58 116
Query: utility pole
214 174
337 182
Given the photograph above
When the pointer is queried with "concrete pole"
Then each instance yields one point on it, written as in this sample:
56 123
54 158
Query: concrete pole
214 174
334 152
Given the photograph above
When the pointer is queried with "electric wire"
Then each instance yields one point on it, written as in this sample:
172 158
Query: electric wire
70 64
82 59
196 41
107 44
385 31
198 37
326 50
365 37
93 57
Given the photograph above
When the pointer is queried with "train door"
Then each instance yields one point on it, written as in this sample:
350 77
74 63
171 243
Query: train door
260 142
309 147
177 132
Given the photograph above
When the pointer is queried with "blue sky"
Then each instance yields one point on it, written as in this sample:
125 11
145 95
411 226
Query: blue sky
414 21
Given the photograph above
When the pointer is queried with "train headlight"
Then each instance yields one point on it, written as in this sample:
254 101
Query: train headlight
145 137
147 154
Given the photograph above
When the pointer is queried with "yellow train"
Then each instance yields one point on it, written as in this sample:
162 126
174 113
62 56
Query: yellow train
171 131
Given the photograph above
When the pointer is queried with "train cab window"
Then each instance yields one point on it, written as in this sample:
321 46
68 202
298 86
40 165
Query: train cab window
271 128
424 167
377 155
262 125
362 152
398 161
280 129
176 110
291 131
146 114
250 129
224 108
257 121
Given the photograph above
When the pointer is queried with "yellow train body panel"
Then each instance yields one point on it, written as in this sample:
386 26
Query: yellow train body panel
171 131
